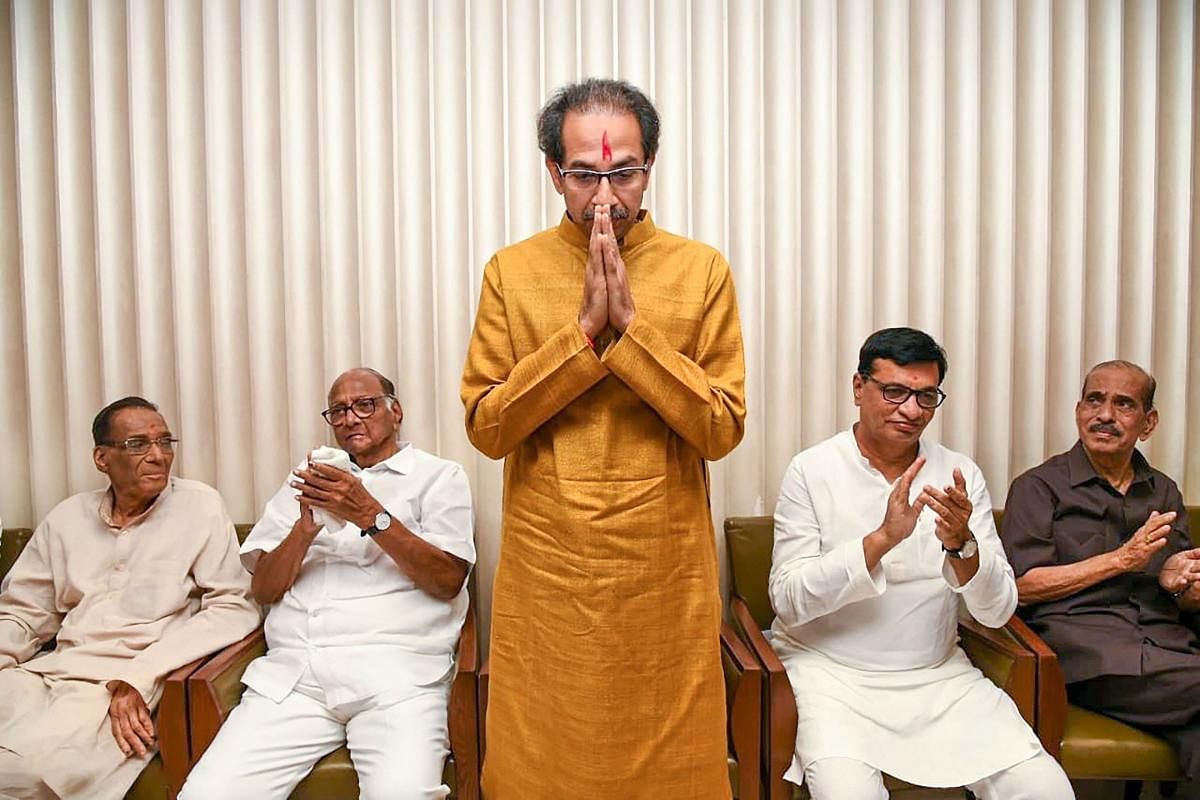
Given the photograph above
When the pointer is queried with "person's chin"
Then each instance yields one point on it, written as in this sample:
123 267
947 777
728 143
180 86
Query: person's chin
153 484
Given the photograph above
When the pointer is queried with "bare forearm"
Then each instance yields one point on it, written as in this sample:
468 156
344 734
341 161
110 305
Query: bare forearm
1043 584
276 571
432 569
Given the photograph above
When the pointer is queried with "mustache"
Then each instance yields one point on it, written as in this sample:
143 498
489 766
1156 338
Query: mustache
1104 427
616 212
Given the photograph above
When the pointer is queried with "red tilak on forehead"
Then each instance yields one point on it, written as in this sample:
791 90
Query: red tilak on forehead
605 150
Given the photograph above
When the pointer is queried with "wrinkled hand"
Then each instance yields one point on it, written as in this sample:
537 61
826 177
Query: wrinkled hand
129 716
953 508
1181 571
307 525
1147 540
620 299
593 312
338 492
901 517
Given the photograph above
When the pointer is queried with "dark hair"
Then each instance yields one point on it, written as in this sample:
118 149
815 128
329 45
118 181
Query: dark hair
904 346
596 94
102 424
1119 363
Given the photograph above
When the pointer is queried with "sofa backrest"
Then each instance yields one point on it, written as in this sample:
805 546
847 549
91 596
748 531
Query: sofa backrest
12 542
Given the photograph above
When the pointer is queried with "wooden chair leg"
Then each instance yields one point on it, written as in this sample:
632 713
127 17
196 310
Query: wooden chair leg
1133 790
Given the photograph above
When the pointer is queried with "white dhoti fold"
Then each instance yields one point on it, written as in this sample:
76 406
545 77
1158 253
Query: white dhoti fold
946 725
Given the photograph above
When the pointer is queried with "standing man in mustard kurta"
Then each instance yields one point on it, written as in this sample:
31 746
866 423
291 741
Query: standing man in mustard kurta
606 368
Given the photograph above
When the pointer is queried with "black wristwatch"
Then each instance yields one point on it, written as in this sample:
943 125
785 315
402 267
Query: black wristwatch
969 548
383 521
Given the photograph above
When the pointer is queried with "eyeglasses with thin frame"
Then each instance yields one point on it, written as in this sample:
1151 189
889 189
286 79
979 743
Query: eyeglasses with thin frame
140 445
363 408
898 393
620 178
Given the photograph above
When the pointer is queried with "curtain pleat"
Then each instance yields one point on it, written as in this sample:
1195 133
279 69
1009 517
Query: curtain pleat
223 205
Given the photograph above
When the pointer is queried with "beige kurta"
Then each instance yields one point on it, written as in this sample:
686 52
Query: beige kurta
130 604
605 668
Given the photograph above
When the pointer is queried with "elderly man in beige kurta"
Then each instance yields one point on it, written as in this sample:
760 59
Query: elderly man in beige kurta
130 596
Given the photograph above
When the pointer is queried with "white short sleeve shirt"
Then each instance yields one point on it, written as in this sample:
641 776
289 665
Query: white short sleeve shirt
353 617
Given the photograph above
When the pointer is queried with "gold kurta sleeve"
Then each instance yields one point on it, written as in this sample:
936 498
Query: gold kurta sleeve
506 399
702 399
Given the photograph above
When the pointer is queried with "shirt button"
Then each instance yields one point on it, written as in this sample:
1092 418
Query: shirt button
119 566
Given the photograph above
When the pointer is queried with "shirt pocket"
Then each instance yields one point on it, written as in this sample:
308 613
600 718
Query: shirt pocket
159 589
1079 539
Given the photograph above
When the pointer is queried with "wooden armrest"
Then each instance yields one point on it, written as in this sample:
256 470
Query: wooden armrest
1005 661
464 711
1051 687
171 726
743 699
779 721
215 688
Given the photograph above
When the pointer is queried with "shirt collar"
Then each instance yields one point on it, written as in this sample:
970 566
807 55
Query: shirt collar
865 463
641 231
107 498
400 462
1081 471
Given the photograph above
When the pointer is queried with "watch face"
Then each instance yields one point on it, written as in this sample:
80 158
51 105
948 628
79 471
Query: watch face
969 548
383 520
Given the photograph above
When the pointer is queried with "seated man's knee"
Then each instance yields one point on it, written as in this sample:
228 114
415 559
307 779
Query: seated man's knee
394 786
209 782
18 780
1038 778
843 779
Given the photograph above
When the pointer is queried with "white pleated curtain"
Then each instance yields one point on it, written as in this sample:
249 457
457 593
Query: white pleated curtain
221 205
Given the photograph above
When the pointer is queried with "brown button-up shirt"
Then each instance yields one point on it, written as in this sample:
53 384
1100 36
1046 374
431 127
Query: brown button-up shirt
1063 512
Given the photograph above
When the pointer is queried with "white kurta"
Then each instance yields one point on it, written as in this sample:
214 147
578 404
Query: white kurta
873 656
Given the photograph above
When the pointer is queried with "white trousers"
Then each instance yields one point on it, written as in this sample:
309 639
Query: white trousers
1038 778
265 748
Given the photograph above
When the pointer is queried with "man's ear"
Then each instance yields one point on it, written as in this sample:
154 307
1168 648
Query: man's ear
1150 424
555 178
856 384
100 458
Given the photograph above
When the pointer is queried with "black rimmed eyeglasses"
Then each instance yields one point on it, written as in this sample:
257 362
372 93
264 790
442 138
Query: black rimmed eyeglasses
362 408
620 178
897 393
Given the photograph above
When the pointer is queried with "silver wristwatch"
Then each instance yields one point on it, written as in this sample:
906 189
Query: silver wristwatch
968 550
383 521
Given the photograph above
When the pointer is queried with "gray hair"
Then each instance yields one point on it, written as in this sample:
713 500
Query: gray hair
596 94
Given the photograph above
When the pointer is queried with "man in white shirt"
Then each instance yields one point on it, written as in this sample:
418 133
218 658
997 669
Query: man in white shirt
879 535
364 617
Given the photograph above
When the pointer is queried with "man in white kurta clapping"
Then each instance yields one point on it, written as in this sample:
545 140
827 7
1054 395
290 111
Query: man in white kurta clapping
878 536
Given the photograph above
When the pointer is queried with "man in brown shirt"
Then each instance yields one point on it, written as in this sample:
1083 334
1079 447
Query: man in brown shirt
1098 540
134 581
